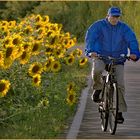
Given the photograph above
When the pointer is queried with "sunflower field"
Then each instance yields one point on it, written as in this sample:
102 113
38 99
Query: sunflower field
41 77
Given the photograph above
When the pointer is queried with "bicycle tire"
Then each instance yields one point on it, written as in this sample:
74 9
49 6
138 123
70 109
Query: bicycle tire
113 108
104 114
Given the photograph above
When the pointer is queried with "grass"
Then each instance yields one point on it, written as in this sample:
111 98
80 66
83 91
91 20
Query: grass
22 114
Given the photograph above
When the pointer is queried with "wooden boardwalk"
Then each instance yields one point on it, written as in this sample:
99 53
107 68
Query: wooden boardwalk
90 125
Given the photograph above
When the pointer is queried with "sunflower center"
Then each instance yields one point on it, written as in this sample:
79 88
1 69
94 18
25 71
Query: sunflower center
49 33
71 97
26 46
35 69
35 80
2 28
53 40
70 87
58 52
66 41
82 61
23 56
15 41
27 31
9 52
48 64
55 66
38 26
38 19
2 87
3 24
7 41
70 60
35 47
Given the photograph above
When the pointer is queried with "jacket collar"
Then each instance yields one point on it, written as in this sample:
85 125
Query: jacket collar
109 24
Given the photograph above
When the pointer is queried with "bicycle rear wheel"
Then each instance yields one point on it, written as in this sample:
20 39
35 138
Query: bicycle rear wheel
103 108
113 108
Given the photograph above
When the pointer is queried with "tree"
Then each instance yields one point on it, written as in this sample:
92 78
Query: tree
17 9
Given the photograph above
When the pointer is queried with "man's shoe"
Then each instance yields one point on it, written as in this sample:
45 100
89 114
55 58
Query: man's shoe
120 118
95 96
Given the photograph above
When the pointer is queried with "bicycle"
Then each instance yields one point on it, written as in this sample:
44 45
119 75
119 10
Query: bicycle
108 107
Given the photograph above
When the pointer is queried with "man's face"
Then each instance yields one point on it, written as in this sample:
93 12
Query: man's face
113 19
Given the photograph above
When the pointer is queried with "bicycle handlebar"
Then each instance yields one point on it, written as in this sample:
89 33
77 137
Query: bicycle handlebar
122 57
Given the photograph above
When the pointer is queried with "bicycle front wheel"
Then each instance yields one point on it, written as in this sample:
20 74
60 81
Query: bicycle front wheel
113 108
103 108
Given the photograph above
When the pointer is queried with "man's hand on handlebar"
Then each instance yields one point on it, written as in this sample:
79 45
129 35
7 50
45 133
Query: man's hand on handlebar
133 57
93 55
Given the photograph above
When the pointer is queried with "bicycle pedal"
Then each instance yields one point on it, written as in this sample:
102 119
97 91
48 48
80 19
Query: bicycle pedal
100 108
120 121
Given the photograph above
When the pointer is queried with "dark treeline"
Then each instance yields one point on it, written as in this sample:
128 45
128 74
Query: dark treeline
76 16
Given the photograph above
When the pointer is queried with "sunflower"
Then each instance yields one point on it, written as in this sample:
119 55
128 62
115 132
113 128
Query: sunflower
7 41
18 52
4 23
59 53
36 48
78 52
6 33
35 68
65 41
47 27
71 98
49 50
44 102
70 44
38 18
25 57
69 60
67 35
7 63
41 31
83 61
56 66
36 80
70 86
47 65
12 24
16 40
4 28
46 19
1 58
4 87
54 27
28 30
26 46
53 39
49 33
8 56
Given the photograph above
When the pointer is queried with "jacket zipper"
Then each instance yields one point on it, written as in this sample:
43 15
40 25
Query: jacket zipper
111 39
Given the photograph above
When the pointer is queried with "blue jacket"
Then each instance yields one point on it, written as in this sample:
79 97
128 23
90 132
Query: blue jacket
109 40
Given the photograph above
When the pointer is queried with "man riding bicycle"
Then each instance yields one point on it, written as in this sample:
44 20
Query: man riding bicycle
111 37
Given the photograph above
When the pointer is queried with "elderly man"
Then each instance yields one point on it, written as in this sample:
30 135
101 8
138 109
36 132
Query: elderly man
111 37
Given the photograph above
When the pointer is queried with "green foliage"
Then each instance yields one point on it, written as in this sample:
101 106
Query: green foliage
76 16
24 112
17 9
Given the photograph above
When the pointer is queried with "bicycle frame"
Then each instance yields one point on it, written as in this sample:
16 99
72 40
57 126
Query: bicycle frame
109 105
